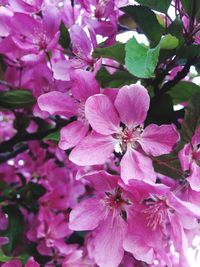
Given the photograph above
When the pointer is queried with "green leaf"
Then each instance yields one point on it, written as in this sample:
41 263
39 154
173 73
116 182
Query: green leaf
16 99
64 39
192 119
15 227
169 42
158 5
168 165
141 61
146 21
53 136
189 51
161 110
116 52
176 29
183 91
3 257
115 80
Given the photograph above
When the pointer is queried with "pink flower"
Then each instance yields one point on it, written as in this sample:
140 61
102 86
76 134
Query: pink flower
17 263
157 216
32 35
120 127
190 159
84 85
106 213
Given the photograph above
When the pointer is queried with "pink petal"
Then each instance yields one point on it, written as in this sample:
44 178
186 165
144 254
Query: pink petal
196 137
102 181
185 157
101 114
57 103
72 134
12 263
136 245
32 263
93 150
61 70
51 20
108 250
132 103
135 165
23 23
158 140
183 207
4 240
194 178
180 241
86 215
80 41
84 84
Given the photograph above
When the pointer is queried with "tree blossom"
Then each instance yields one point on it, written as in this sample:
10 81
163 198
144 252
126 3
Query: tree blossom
190 158
122 130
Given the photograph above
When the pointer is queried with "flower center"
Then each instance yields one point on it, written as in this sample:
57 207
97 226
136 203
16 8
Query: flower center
156 209
81 112
116 203
128 137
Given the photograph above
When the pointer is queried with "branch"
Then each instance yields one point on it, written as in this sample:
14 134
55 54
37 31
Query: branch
9 155
9 145
180 75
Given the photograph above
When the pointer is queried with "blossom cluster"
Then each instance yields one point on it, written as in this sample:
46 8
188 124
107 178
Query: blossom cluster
96 167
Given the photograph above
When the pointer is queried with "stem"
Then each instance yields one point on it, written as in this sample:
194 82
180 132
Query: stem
114 67
8 146
180 75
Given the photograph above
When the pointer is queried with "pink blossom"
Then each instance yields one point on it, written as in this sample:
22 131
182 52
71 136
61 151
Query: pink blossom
107 214
190 157
83 85
129 138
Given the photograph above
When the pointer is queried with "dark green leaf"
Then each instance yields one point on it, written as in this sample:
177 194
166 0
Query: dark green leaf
192 7
183 91
176 29
141 61
169 42
161 110
36 189
16 99
3 257
158 5
15 227
116 52
168 165
192 119
64 39
190 51
118 79
146 21
53 136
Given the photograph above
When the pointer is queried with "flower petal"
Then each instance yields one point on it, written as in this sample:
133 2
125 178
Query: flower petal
86 215
101 180
132 103
101 114
184 156
108 250
194 178
84 84
135 165
57 103
158 140
72 134
80 42
93 150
